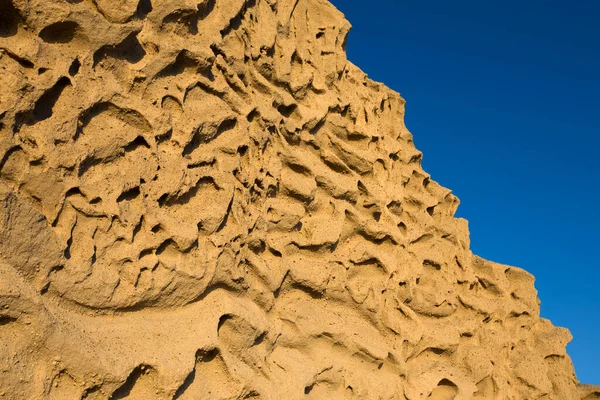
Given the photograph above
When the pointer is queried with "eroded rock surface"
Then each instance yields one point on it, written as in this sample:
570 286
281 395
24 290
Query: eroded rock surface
205 200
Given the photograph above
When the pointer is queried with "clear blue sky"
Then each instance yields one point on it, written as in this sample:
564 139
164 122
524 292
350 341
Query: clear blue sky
504 101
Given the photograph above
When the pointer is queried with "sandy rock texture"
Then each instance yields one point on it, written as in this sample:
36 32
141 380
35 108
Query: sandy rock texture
205 200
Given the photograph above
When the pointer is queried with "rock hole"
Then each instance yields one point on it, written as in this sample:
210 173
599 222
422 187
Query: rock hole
6 319
43 106
163 199
74 68
9 19
223 319
129 195
144 8
272 191
45 289
356 136
299 169
276 253
163 137
59 32
432 264
445 390
395 207
129 50
287 111
446 382
145 252
259 339
67 250
207 355
205 8
308 388
226 125
252 115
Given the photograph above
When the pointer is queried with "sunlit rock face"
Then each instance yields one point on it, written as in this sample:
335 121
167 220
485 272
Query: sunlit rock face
206 200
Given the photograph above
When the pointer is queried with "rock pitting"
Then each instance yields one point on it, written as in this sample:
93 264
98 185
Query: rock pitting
206 200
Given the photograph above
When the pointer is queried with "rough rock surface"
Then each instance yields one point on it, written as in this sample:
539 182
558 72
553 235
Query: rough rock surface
205 200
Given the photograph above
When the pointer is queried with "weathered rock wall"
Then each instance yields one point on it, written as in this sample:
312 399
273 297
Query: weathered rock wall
206 200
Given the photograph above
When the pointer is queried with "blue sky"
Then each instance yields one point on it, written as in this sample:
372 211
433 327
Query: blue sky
503 98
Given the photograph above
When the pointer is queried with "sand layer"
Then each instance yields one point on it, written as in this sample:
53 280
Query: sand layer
205 200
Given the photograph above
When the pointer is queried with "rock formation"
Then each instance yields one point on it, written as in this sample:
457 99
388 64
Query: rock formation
205 200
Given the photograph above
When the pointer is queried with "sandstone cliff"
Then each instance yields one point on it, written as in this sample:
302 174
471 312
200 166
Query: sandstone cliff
205 200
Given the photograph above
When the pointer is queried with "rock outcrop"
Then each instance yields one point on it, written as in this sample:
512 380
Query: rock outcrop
205 200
